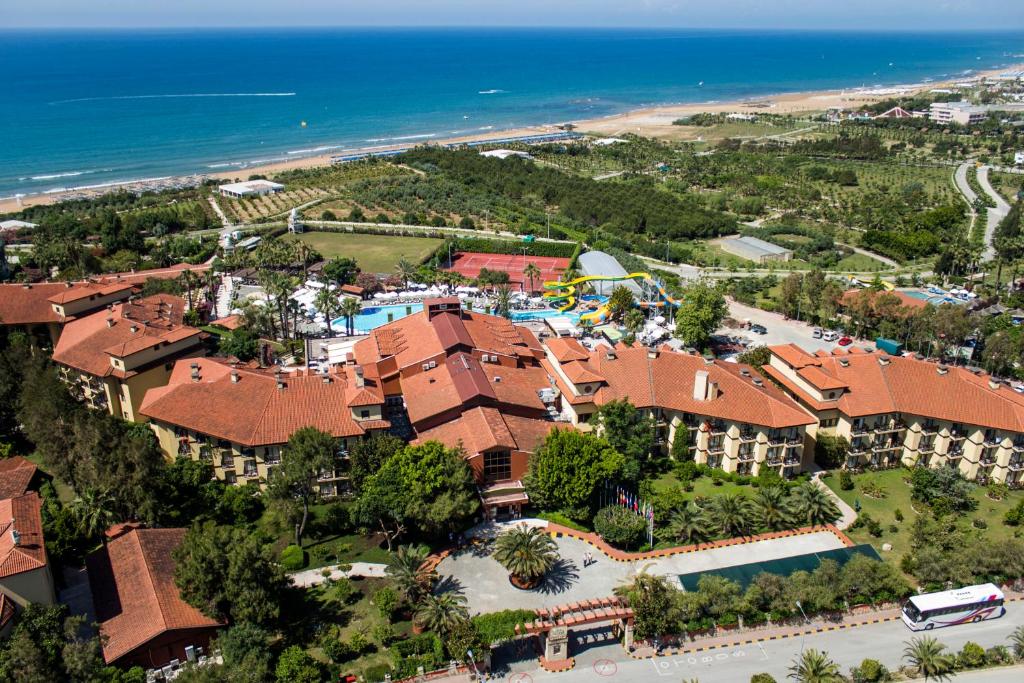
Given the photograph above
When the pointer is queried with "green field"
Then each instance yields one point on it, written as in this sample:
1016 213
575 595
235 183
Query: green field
373 253
897 496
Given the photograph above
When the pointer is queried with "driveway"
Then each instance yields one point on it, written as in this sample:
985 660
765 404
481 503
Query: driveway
484 582
994 215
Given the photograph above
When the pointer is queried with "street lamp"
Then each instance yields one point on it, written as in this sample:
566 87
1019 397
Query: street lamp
472 662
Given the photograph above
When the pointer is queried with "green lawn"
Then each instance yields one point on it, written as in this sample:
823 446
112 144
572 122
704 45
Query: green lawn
859 263
702 486
373 253
897 496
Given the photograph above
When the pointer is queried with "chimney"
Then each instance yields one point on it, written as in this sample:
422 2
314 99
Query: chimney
235 377
709 360
610 355
993 385
942 369
700 385
27 285
279 379
327 379
652 353
712 391
15 536
359 380
110 322
134 329
844 362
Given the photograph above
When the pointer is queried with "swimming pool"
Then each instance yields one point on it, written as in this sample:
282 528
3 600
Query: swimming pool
373 317
543 314
934 299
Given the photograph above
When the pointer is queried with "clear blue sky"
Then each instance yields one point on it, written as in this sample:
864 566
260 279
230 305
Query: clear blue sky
795 14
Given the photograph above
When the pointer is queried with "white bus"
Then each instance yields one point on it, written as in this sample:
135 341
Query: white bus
970 603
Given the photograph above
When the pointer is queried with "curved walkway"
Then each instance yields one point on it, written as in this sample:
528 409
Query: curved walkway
996 213
849 514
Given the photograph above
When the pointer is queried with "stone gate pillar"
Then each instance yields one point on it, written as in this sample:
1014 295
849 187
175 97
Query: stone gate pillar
556 645
627 641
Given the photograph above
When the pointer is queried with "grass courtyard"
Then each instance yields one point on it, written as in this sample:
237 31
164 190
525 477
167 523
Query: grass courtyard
882 493
373 253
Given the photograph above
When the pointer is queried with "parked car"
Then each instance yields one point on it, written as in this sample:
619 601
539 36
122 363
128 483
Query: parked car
817 332
759 329
830 336
845 341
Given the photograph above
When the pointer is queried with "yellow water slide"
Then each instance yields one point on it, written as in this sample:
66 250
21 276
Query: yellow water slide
563 294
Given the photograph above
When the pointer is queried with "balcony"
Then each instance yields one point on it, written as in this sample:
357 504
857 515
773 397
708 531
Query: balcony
774 461
859 429
886 446
794 442
888 427
929 428
858 448
1016 464
185 448
987 460
716 428
746 457
993 440
748 435
227 460
955 455
1018 445
926 448
791 462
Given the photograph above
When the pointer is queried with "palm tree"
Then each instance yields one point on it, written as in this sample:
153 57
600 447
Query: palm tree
772 508
813 506
527 553
689 524
1017 642
304 254
634 321
531 272
405 270
189 281
442 613
928 657
503 301
732 511
406 567
815 667
92 511
327 303
350 308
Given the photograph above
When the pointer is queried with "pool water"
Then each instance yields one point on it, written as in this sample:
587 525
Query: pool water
934 299
373 317
542 314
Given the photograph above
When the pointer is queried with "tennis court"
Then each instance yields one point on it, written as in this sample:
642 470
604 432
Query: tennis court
743 574
470 263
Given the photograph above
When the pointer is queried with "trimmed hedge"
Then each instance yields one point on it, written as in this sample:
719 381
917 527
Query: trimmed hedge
293 558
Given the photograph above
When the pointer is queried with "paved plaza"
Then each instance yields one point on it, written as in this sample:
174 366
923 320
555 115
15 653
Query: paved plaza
484 582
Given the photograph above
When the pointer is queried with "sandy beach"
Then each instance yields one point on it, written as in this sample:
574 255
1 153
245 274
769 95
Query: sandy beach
651 122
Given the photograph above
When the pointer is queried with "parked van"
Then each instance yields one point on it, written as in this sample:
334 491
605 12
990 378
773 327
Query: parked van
830 336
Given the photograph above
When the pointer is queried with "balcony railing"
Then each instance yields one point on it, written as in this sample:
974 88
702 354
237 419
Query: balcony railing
894 426
774 461
746 457
993 440
748 435
988 460
858 448
790 462
717 428
1016 464
955 455
1018 446
926 448
930 428
857 430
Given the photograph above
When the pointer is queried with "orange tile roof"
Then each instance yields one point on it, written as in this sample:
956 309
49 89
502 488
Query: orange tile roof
906 385
87 344
565 349
794 355
29 304
24 514
136 599
138 277
820 379
230 323
580 372
667 381
85 290
484 428
253 411
416 338
15 475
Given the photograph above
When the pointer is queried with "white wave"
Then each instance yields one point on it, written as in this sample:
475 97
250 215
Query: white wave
226 164
315 150
486 128
494 91
176 95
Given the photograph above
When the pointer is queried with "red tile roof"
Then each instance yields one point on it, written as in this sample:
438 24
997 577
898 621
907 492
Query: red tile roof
666 379
29 304
565 349
24 515
484 428
85 290
87 344
15 475
132 581
907 385
231 322
253 411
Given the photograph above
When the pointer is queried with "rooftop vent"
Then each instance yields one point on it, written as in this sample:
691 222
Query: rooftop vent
235 377
758 382
709 360
883 360
845 362
110 322
134 329
652 353
610 355
497 379
15 536
27 285
745 372
942 369
993 385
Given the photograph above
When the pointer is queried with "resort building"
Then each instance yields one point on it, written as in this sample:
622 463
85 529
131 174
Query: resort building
466 379
142 618
723 413
754 249
238 418
962 113
113 357
900 410
25 575
250 188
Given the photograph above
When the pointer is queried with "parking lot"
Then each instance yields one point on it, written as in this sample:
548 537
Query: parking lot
779 330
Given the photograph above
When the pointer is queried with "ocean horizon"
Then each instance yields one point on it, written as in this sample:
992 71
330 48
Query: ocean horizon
97 107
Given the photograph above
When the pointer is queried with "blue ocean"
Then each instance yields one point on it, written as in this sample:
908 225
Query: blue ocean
87 108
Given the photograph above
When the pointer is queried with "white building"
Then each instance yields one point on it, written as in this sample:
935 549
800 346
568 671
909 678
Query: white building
505 154
250 188
1018 158
962 113
12 225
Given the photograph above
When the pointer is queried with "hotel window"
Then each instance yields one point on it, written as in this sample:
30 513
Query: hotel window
497 466
364 414
829 423
249 468
229 477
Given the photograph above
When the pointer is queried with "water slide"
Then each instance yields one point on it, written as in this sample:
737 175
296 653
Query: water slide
563 294
888 286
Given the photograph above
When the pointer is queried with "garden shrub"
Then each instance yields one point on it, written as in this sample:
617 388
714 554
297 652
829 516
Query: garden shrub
845 481
871 671
293 558
386 600
619 526
971 656
762 678
1015 515
497 627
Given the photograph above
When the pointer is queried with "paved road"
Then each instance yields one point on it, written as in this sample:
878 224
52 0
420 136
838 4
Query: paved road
995 214
599 659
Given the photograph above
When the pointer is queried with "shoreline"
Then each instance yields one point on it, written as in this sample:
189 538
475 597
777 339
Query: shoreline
650 121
